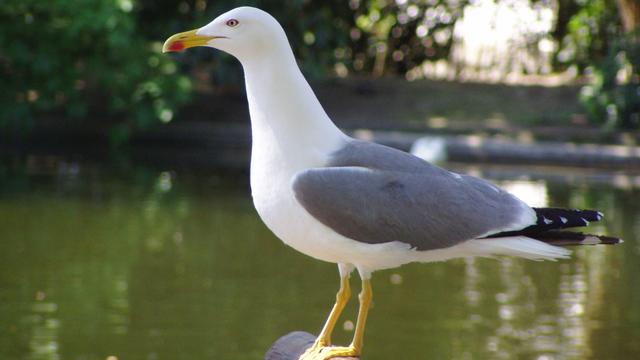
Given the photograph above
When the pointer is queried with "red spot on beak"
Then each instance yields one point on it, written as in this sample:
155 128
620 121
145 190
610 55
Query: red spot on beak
176 46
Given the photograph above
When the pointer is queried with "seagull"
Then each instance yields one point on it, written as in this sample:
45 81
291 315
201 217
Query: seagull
358 204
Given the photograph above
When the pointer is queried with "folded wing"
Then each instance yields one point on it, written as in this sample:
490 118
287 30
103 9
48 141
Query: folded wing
428 210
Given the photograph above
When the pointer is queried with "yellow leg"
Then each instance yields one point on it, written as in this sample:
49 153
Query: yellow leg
365 301
324 339
342 298
324 352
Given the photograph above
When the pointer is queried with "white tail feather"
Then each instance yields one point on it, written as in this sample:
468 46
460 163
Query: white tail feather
520 246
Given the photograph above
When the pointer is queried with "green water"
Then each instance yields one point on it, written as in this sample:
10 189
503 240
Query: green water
97 263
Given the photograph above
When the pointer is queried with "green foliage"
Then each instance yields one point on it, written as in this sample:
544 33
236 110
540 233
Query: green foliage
83 58
395 36
613 97
589 31
314 28
100 59
595 42
357 36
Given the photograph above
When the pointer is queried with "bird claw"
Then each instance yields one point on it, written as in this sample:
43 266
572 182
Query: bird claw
320 352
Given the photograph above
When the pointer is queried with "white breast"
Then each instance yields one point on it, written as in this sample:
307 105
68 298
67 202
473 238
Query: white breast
273 198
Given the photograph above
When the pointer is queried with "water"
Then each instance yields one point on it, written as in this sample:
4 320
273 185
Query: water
131 263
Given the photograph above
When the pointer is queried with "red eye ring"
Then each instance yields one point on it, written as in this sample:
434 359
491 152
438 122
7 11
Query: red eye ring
232 22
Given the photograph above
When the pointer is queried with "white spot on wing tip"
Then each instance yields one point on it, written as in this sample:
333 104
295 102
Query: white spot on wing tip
585 221
563 219
547 221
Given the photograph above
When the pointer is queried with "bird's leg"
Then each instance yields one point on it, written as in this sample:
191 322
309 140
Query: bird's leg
342 298
324 339
353 350
365 301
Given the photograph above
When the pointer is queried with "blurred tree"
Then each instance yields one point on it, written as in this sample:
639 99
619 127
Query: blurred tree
588 31
379 37
630 14
613 95
565 10
315 29
395 36
79 58
604 38
357 36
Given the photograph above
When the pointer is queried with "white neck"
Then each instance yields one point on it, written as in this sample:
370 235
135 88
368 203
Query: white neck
288 123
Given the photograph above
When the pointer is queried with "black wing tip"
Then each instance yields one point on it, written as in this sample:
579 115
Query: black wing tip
570 238
558 218
550 219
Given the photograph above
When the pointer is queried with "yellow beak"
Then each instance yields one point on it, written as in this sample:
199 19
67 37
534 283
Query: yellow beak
185 40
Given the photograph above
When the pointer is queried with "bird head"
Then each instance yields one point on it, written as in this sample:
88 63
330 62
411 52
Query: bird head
241 32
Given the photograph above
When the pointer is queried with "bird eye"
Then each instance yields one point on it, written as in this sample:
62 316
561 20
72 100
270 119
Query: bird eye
232 22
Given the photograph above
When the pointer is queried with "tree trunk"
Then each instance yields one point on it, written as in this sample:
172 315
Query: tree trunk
630 14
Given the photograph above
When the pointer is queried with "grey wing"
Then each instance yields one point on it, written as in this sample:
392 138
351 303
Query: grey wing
427 211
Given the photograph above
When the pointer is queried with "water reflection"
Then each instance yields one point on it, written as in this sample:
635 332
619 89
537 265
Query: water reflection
99 263
43 342
533 193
